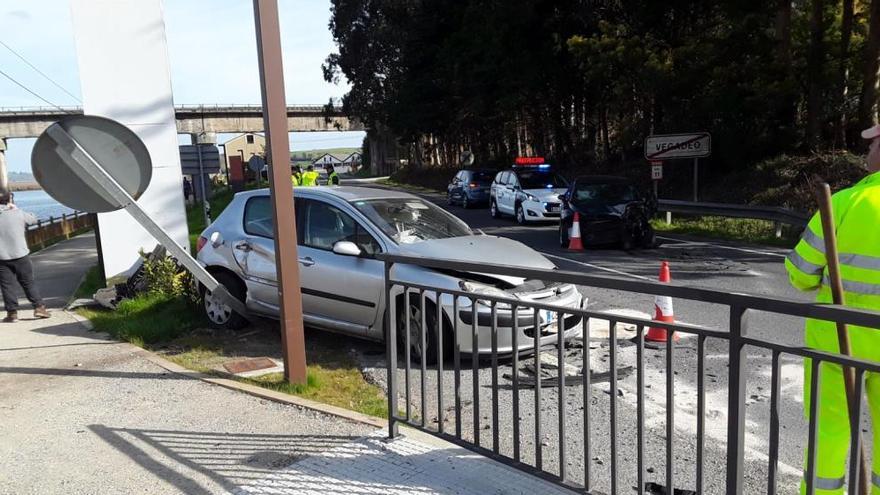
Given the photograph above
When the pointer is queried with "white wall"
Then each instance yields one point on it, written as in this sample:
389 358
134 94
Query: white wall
125 75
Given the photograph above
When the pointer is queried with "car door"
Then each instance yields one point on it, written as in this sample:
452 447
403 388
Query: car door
510 193
341 291
455 187
255 254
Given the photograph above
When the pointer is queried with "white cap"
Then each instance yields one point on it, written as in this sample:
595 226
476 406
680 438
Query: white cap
871 133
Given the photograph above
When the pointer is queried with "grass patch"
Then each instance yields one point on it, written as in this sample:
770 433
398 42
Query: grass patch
407 186
90 284
146 319
344 388
736 229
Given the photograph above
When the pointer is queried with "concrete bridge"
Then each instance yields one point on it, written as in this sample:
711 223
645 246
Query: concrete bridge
203 122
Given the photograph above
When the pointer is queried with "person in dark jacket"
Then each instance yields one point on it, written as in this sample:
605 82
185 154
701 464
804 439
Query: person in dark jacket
15 262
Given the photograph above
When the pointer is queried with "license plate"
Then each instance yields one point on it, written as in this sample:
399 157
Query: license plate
554 209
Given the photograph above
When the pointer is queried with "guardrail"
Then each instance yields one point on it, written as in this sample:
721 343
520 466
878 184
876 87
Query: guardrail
775 214
46 232
627 466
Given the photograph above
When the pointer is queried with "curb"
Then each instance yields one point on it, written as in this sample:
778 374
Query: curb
253 390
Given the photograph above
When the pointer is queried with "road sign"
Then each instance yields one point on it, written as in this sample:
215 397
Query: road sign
256 164
70 149
657 172
125 156
667 146
190 163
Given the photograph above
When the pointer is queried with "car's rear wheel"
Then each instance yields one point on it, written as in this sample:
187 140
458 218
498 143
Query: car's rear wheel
493 209
520 215
219 314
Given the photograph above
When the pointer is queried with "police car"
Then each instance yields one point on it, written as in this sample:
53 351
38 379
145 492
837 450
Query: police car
529 191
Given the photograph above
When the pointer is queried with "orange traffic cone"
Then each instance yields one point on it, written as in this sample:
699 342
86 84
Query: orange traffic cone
662 310
575 243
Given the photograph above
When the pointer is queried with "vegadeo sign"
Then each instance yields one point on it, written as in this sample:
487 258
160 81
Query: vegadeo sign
667 146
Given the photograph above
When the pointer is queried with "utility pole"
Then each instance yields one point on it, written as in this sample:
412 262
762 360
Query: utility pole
278 143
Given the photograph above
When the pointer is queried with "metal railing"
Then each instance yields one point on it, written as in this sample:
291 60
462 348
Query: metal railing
771 213
736 336
53 229
212 107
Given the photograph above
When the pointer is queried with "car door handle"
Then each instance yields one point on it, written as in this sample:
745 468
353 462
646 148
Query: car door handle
306 261
244 246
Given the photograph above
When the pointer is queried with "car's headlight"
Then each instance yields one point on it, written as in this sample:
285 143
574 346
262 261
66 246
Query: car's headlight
483 289
531 197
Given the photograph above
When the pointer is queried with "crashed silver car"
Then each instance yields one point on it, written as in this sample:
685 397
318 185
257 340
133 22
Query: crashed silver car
340 232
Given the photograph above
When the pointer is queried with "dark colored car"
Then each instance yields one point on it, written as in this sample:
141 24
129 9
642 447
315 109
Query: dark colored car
470 187
612 211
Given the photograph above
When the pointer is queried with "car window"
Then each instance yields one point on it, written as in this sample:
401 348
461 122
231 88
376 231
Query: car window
482 178
258 217
457 177
503 178
411 220
325 225
541 180
604 193
512 179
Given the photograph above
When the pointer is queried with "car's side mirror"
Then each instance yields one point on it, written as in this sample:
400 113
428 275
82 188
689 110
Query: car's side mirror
561 197
216 239
346 248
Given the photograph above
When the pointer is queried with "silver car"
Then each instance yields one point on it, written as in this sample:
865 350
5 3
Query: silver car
340 230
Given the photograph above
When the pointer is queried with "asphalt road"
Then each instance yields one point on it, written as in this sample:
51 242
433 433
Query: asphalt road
723 266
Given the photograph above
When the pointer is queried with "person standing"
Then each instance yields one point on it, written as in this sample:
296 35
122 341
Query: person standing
295 175
856 221
310 177
15 262
332 176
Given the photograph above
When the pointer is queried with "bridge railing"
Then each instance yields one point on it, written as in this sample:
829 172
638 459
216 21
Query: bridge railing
54 229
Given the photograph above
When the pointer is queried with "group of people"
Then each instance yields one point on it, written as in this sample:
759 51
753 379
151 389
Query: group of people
310 176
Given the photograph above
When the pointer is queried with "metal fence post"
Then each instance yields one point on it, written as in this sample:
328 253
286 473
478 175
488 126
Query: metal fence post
736 400
391 352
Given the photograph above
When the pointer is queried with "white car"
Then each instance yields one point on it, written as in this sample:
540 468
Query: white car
529 193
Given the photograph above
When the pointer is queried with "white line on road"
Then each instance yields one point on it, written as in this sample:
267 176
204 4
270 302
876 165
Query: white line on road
685 244
597 267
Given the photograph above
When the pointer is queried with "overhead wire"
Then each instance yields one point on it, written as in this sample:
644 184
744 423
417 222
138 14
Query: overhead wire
32 66
22 86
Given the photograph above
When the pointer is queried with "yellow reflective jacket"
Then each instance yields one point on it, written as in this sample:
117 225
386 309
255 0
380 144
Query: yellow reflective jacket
857 224
310 178
295 179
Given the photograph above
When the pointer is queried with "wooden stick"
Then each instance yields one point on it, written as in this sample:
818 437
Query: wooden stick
849 375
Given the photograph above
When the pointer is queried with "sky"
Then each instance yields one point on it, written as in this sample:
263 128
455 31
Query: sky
213 54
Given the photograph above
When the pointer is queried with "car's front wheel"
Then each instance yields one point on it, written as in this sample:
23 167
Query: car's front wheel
219 314
520 215
418 351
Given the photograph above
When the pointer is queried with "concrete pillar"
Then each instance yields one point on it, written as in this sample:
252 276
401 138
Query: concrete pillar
4 173
204 138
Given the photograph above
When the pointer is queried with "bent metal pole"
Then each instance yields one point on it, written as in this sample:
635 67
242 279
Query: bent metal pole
278 143
849 377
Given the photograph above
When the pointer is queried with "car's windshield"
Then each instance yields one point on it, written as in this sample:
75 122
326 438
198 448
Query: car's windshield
482 178
410 220
604 193
540 180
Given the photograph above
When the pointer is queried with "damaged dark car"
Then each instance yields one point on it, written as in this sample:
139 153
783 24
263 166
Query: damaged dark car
612 212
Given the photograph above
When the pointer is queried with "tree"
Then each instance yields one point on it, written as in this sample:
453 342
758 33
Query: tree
846 27
871 67
815 61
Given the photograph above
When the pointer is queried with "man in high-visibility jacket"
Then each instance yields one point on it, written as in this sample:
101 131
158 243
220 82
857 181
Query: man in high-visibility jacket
332 176
295 175
857 224
310 177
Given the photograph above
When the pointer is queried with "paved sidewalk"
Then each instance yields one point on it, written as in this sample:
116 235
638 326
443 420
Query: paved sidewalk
82 414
